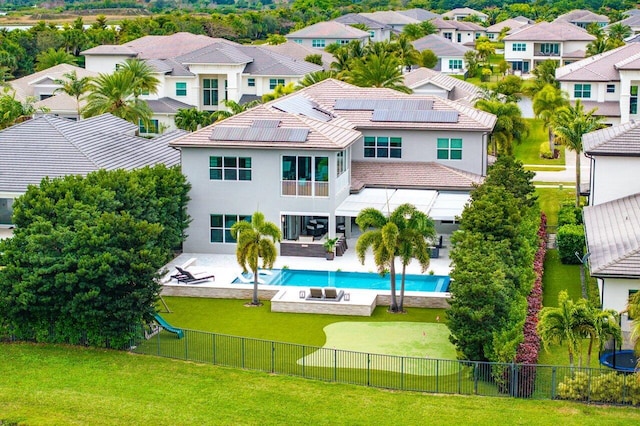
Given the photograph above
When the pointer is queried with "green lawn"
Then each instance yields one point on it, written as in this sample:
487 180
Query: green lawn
54 385
528 151
550 200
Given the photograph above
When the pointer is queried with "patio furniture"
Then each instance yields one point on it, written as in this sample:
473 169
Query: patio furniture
333 294
186 277
316 293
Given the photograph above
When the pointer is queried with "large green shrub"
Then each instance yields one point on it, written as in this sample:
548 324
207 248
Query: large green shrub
613 388
545 152
570 239
569 214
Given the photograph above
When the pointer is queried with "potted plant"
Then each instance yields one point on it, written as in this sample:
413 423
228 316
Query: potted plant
329 247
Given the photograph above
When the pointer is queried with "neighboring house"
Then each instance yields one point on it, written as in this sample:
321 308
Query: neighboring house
450 55
323 34
631 12
322 154
612 219
419 14
559 41
50 146
461 13
425 81
300 52
608 81
396 20
377 30
583 18
633 22
458 31
513 24
41 87
200 71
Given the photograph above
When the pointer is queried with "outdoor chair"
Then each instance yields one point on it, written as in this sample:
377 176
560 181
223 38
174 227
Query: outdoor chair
333 294
316 293
186 277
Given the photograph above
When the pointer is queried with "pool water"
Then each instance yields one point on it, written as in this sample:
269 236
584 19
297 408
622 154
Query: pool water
355 280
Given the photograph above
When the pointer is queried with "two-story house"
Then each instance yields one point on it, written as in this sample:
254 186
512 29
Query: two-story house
425 81
312 160
559 41
583 18
450 55
460 32
511 25
608 81
461 13
200 71
378 31
612 219
322 34
396 20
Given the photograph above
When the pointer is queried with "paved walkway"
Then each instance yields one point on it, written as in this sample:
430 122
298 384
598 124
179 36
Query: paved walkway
566 175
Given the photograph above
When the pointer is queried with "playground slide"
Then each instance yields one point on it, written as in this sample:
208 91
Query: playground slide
179 332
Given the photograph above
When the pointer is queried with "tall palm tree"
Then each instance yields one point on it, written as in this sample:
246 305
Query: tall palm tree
191 119
545 104
569 124
52 57
315 77
114 93
256 240
556 325
279 91
509 127
234 108
606 327
619 31
143 78
375 70
405 51
74 87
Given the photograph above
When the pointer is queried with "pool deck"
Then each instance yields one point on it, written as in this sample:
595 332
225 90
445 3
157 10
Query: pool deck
226 270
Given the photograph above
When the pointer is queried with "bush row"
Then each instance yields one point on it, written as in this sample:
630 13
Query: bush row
613 388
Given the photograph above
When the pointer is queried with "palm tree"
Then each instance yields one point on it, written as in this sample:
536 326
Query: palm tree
13 111
256 240
234 108
405 51
144 81
279 91
509 127
114 93
619 31
51 57
74 87
315 77
545 104
569 124
606 327
556 325
191 119
375 70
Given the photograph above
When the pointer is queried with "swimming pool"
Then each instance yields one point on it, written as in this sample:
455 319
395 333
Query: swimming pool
357 280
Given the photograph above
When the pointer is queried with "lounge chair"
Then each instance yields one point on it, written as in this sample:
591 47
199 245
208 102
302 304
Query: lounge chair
244 279
187 277
333 294
316 293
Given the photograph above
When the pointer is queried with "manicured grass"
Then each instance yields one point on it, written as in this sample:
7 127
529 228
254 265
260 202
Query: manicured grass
539 168
558 277
231 317
52 385
550 200
528 151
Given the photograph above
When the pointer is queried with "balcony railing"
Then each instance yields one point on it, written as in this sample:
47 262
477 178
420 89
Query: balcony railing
301 188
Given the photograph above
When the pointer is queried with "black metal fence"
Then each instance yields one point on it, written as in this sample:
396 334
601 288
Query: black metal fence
397 372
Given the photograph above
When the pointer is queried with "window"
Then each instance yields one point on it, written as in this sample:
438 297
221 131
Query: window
318 43
341 162
478 35
519 47
552 49
449 149
273 82
297 40
611 88
226 95
251 82
220 226
372 34
229 168
633 100
455 64
153 127
210 91
181 88
382 147
459 38
448 36
491 36
44 96
343 42
305 176
582 91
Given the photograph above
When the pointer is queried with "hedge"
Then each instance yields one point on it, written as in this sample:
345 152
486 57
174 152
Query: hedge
570 239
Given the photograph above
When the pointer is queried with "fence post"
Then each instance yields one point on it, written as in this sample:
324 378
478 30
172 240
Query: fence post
459 379
335 365
475 377
242 351
214 348
437 374
273 354
402 373
158 339
553 382
368 369
514 379
186 346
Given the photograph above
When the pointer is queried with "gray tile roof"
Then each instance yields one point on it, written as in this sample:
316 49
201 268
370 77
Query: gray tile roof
26 86
458 89
110 49
167 105
550 31
440 46
579 15
50 146
271 63
391 17
419 14
463 11
171 46
631 21
605 109
601 67
357 18
621 140
632 12
298 51
613 237
330 30
512 23
215 53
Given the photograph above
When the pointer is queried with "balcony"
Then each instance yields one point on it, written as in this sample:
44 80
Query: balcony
303 188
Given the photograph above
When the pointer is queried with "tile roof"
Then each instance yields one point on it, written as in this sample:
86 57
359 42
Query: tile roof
391 17
270 63
110 49
622 139
579 15
25 86
59 103
631 21
172 46
601 67
419 14
606 109
613 237
215 53
357 18
50 146
512 23
458 89
416 175
167 105
440 46
630 63
299 52
550 31
463 11
632 12
329 29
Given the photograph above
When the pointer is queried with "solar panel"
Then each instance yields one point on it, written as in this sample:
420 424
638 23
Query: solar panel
301 105
423 116
265 123
258 134
388 104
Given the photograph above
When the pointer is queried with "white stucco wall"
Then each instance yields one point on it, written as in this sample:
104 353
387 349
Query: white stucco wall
615 295
609 173
105 64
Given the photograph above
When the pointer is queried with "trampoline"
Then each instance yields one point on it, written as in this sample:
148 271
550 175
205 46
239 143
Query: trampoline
624 360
